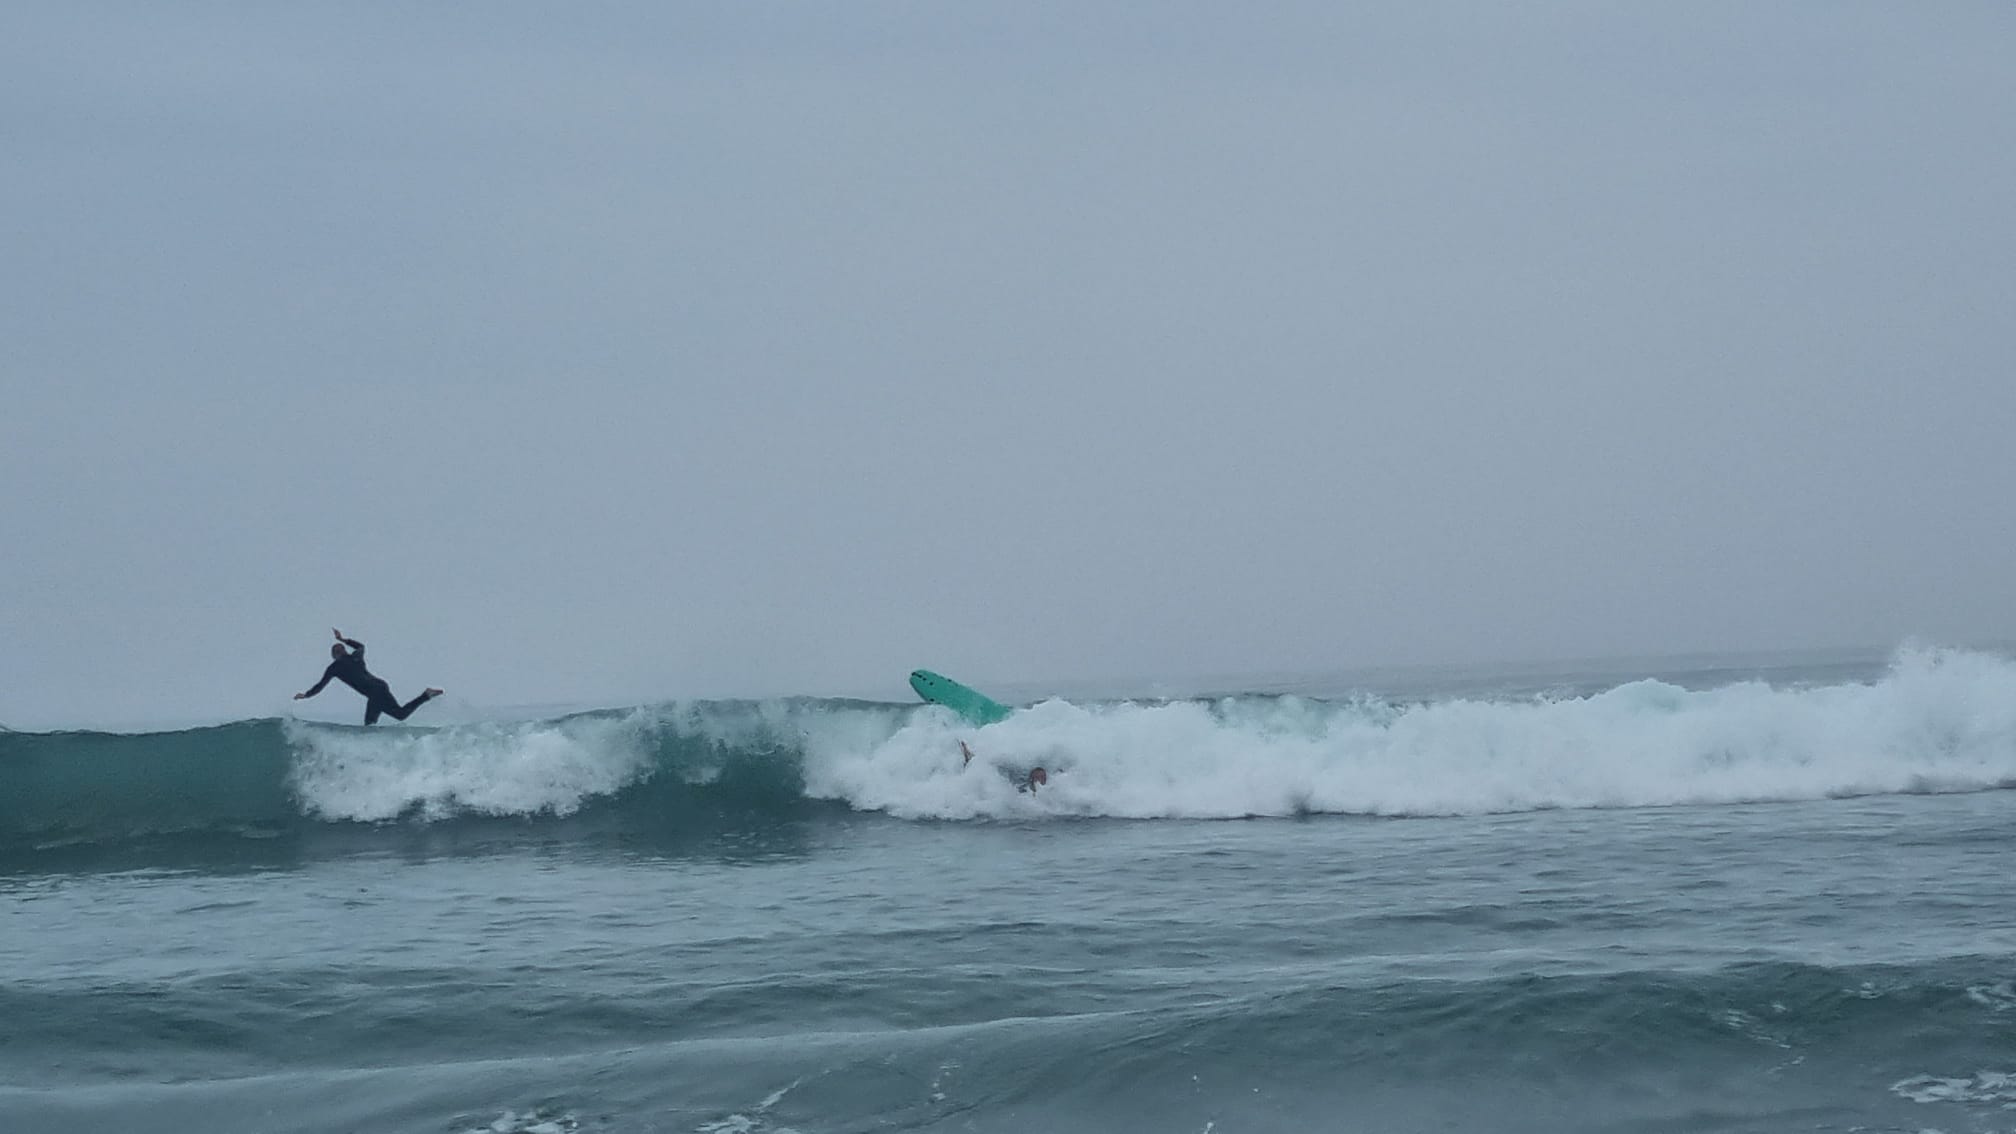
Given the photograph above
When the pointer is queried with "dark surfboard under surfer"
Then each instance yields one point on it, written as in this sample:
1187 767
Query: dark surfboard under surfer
348 668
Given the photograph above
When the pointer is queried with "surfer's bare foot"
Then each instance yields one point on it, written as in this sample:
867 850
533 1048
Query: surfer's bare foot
433 692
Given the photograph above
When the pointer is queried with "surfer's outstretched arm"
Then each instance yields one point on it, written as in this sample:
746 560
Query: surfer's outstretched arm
326 675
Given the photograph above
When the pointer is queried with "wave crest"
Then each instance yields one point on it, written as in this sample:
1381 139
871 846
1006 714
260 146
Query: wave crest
1936 721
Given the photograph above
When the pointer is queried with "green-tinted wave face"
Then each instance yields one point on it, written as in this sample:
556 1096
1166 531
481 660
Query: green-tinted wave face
273 780
75 787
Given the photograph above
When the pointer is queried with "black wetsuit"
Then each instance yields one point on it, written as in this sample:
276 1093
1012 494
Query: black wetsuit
349 669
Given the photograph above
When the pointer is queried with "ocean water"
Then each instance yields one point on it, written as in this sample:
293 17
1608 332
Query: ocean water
1711 895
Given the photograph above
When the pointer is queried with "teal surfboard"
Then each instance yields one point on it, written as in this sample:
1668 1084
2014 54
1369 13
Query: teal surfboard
975 706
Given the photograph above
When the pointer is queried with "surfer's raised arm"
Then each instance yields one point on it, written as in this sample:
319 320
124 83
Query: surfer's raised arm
357 653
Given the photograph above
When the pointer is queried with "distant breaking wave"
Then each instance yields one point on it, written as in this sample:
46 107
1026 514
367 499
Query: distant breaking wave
1936 721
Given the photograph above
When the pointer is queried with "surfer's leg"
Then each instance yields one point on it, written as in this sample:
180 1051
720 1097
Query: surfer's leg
401 712
378 699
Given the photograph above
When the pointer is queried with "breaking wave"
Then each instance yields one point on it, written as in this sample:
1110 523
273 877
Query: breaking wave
1935 721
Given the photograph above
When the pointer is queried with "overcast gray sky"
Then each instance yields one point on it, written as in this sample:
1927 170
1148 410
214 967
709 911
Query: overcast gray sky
598 353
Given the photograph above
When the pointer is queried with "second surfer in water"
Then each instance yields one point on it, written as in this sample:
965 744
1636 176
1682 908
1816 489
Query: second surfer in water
1037 776
348 668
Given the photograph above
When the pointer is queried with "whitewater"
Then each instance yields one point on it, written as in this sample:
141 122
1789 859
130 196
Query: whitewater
1930 721
1720 895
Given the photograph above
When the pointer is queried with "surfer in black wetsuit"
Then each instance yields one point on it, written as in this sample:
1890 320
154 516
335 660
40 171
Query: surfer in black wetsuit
348 668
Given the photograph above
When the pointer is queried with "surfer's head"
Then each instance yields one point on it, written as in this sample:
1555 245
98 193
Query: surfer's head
1037 778
337 651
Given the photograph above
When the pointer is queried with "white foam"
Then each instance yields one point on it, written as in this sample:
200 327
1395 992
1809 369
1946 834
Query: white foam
532 1122
1939 720
1998 996
757 1120
1991 1087
492 769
